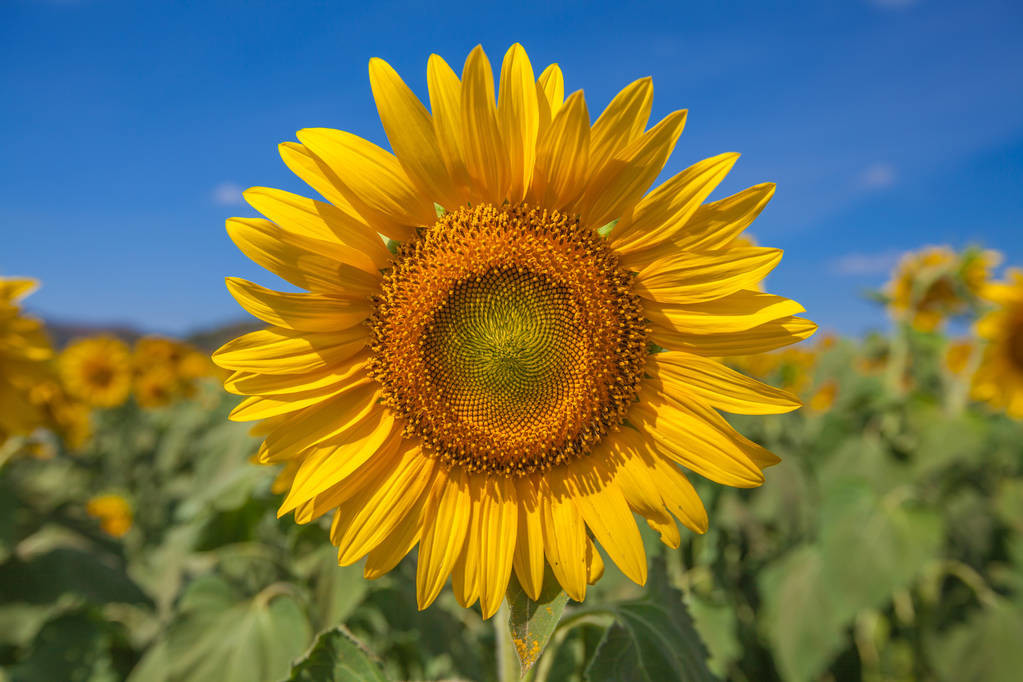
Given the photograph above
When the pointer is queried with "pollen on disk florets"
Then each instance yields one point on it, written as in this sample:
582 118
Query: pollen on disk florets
508 338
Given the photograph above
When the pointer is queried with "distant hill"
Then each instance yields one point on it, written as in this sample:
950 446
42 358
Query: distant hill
208 339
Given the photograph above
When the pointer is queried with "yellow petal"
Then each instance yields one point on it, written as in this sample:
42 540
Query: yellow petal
717 224
688 277
395 547
446 104
323 421
564 536
623 121
445 528
323 222
465 579
316 174
671 204
374 512
305 262
301 312
637 485
410 131
551 88
498 525
528 558
607 514
334 461
594 563
283 351
760 339
679 495
251 383
372 180
518 119
482 148
261 407
629 173
561 156
736 312
719 386
683 436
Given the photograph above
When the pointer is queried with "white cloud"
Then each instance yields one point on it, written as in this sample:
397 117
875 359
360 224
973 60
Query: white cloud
878 176
228 194
867 263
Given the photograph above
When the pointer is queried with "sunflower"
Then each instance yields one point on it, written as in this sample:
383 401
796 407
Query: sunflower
97 370
25 354
999 379
114 513
487 388
156 387
936 282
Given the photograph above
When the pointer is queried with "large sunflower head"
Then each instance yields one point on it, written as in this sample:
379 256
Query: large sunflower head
999 379
531 363
97 370
25 354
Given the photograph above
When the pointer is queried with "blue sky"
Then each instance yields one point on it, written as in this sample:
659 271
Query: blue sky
128 127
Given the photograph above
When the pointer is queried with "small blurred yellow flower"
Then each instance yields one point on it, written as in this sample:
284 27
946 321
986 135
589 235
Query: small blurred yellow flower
936 282
823 398
957 355
69 417
97 370
999 379
156 387
114 513
25 353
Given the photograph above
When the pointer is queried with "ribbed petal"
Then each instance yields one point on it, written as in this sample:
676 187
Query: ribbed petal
446 104
550 90
375 511
691 277
518 118
637 485
262 407
659 214
629 173
498 526
317 174
252 383
717 385
622 122
760 339
607 514
528 558
410 131
561 158
465 579
372 180
283 351
298 311
564 536
327 465
679 433
736 312
307 263
395 547
446 524
323 222
482 148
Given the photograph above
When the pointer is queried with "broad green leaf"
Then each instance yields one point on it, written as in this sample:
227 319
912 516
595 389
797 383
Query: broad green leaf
799 615
334 657
532 622
75 646
986 647
220 637
653 639
716 624
44 578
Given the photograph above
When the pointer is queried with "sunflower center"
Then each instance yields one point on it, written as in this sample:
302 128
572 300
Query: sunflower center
99 374
508 338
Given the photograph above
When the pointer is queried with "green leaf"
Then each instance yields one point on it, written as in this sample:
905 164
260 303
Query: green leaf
76 647
220 636
533 622
44 578
800 618
653 639
717 626
335 657
986 647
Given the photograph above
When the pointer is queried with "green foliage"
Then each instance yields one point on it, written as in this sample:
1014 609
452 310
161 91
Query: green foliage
887 545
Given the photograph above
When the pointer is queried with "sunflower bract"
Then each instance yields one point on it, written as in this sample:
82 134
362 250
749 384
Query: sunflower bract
487 391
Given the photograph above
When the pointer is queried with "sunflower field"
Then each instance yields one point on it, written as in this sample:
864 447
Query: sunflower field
140 541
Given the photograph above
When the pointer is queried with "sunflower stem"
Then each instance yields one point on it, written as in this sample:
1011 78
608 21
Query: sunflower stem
507 661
